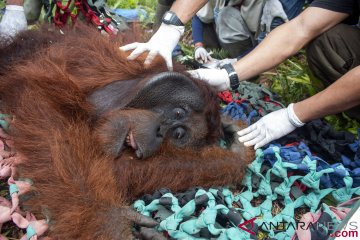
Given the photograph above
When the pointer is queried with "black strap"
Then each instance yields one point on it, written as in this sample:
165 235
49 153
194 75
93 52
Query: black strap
234 80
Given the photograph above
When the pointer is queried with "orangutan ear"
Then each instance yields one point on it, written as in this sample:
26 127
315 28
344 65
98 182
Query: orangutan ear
112 96
169 88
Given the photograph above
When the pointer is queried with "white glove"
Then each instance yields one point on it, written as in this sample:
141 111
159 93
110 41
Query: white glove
270 127
162 42
218 78
201 55
271 10
13 21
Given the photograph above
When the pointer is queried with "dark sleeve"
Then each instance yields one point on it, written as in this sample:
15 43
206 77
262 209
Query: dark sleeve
342 6
197 30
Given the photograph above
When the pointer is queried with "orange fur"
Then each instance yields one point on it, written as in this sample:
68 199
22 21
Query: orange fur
78 185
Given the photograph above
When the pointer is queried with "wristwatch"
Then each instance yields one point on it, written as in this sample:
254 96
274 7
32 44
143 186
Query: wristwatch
234 79
171 18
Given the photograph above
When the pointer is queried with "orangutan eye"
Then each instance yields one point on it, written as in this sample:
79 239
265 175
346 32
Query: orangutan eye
179 113
179 133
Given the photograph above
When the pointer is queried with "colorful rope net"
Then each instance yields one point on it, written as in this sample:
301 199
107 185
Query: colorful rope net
9 207
272 176
290 176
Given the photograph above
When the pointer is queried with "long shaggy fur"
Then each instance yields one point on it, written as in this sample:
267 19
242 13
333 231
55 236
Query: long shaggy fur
78 186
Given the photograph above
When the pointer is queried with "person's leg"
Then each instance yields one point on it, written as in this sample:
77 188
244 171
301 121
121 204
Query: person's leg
251 11
333 54
32 10
162 7
209 36
234 35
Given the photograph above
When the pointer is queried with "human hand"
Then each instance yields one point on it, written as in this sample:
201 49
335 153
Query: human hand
162 42
270 127
217 78
13 21
201 55
271 10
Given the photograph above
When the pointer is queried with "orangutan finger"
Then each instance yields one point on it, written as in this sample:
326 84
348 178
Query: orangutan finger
151 234
140 219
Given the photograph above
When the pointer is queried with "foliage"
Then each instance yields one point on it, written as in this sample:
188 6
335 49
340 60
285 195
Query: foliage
148 5
149 19
219 54
129 4
133 4
2 7
293 81
342 122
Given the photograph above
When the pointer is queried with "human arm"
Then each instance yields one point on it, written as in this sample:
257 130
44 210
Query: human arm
282 42
338 97
15 2
186 9
197 30
286 40
201 54
165 39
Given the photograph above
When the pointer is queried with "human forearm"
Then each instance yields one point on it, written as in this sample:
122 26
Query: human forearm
185 9
287 40
275 48
15 2
280 44
340 96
